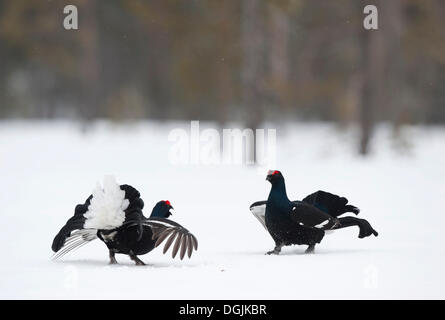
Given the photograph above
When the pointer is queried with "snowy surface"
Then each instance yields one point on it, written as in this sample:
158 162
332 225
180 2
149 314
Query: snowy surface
47 168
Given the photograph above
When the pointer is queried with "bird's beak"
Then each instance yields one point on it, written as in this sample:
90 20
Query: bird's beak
269 175
170 207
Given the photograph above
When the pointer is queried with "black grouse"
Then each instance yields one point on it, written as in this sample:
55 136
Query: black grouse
114 215
304 222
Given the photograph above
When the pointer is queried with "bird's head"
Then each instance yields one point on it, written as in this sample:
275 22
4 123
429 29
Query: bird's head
274 176
162 209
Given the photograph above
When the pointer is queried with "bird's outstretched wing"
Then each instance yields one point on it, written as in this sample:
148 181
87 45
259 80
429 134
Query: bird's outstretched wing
258 210
164 228
309 216
330 203
76 222
76 240
169 231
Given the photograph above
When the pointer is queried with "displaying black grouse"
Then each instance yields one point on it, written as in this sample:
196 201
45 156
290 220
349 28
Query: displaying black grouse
114 215
304 222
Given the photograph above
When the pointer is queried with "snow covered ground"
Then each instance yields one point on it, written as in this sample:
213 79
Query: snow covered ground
47 168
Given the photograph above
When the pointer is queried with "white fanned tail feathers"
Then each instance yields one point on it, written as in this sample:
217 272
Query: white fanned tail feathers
106 210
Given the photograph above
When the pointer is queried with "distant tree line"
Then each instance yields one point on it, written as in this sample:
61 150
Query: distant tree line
226 60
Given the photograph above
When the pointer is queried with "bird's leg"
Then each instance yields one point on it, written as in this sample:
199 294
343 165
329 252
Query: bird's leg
138 261
310 249
276 250
112 258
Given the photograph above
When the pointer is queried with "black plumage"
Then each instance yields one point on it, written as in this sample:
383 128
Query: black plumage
304 222
133 234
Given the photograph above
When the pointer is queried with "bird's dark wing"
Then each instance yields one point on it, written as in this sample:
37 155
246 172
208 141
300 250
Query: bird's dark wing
76 222
365 228
76 240
309 216
330 203
170 231
258 209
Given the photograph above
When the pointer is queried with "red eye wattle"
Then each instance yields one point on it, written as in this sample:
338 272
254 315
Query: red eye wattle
167 202
271 173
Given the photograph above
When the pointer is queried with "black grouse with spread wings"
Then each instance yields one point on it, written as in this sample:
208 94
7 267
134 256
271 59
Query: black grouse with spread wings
114 215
